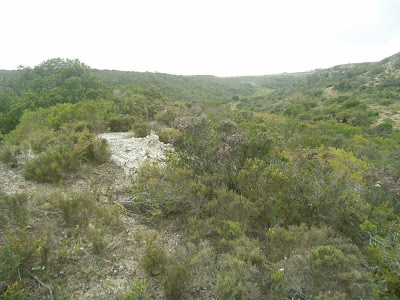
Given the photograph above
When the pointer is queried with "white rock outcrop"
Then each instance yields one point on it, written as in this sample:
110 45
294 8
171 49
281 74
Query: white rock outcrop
131 153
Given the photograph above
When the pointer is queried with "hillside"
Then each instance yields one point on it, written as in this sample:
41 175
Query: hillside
195 88
126 185
371 87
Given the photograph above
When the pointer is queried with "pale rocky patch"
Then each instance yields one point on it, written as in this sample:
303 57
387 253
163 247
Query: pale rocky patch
131 153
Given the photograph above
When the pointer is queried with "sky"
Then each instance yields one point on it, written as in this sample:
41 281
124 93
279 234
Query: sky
187 37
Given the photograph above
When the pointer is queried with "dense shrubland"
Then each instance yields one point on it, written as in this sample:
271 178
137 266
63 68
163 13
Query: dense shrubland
285 194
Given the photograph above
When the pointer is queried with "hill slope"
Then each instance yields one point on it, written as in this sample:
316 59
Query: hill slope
276 187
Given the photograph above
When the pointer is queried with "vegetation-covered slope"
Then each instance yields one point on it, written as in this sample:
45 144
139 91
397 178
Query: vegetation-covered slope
279 187
201 87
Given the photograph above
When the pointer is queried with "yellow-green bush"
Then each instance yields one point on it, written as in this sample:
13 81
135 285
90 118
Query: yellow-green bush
50 166
71 149
121 123
13 209
18 253
76 208
138 291
237 280
95 236
141 129
8 154
174 282
94 112
14 292
40 139
166 117
169 135
110 216
326 263
155 257
167 191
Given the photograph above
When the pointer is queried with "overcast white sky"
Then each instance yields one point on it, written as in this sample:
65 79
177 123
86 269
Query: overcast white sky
218 37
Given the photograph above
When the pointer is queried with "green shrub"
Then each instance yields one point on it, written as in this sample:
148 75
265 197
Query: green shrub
324 258
18 254
14 292
84 147
121 123
247 250
314 260
99 151
81 126
49 166
7 157
138 291
162 192
384 128
70 248
76 208
386 102
166 117
174 283
110 216
331 296
8 154
200 229
14 208
141 129
154 258
351 103
73 148
96 235
237 280
229 230
92 112
383 249
169 135
40 139
231 206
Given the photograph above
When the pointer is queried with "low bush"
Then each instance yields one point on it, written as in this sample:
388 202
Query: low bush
386 102
121 123
351 103
155 258
326 263
49 166
141 129
331 296
169 135
166 117
8 154
174 283
138 291
40 139
18 254
73 148
164 192
70 248
110 216
84 147
237 280
76 208
99 153
95 236
14 292
13 209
